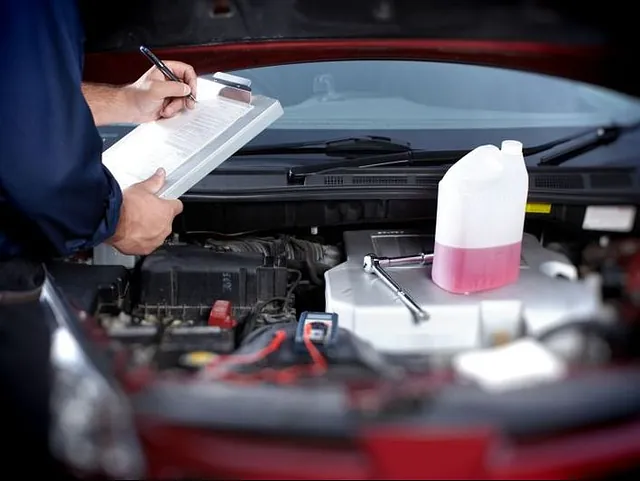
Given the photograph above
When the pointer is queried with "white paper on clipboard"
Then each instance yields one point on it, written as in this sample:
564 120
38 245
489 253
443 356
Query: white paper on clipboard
194 143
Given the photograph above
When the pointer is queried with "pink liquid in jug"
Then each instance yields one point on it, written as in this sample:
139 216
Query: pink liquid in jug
465 270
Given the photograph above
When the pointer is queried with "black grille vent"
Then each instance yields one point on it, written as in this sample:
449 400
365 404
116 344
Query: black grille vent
423 180
379 180
558 182
610 180
333 180
603 180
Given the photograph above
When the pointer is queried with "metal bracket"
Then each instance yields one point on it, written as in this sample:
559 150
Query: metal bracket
373 264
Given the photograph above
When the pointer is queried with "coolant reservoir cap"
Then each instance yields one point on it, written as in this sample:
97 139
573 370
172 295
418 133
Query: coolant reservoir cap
511 147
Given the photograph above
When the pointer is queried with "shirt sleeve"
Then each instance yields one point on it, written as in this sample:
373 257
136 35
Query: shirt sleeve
51 171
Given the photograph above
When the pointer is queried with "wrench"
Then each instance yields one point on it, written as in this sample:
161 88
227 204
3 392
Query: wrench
373 264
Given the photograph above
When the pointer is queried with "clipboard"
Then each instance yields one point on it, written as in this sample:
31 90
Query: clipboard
227 116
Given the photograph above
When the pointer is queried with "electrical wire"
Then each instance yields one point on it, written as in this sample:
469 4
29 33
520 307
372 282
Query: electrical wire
318 366
251 318
236 359
319 362
218 367
286 299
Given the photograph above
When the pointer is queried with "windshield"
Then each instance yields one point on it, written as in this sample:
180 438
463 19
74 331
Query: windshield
413 95
439 106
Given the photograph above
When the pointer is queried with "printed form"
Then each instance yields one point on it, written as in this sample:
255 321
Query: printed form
169 143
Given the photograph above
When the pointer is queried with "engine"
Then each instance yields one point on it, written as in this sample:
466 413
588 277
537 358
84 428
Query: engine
191 299
547 295
198 298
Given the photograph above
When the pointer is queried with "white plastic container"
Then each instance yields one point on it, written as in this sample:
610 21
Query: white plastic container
480 220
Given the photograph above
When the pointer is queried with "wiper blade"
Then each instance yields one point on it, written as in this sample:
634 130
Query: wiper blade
587 139
342 147
587 142
434 158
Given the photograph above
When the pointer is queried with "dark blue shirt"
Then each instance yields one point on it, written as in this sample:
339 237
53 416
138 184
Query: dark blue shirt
55 196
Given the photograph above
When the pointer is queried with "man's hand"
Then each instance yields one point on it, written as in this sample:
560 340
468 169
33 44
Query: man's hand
153 97
145 219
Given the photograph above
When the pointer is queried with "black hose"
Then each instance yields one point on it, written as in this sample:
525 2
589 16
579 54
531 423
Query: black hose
617 336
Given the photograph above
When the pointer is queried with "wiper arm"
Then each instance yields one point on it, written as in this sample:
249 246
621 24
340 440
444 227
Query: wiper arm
343 147
587 142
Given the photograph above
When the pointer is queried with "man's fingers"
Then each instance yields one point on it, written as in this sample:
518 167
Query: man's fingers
173 107
186 73
166 89
154 183
177 206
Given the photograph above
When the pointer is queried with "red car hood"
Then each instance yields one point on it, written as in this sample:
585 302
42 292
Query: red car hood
588 43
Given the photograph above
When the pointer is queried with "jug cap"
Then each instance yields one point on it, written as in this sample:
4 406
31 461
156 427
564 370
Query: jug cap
512 147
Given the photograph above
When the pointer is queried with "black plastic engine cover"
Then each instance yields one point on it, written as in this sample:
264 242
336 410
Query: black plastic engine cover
187 277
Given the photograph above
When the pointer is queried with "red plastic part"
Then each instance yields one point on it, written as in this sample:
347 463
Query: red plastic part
388 453
221 315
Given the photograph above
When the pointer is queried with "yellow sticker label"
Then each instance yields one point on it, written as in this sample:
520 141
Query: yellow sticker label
197 358
538 208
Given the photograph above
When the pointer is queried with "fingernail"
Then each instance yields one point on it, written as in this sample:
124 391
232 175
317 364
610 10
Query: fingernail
186 89
160 171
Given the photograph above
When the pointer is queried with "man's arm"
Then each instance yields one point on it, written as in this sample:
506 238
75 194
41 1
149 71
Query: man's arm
107 103
50 151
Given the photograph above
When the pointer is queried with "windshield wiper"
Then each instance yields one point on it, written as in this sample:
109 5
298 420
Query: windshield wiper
342 147
586 142
581 142
433 158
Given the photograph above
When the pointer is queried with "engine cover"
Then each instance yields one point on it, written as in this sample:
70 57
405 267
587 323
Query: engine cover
183 281
547 294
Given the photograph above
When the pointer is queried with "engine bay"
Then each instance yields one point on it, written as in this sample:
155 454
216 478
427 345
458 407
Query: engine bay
304 307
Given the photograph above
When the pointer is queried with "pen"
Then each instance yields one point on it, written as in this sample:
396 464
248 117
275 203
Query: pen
160 65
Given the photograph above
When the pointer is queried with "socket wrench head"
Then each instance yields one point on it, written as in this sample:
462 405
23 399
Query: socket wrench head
369 263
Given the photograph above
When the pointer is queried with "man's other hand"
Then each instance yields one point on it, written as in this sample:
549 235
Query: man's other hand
153 96
145 219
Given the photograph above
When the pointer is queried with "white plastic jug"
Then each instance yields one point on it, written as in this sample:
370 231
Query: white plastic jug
480 220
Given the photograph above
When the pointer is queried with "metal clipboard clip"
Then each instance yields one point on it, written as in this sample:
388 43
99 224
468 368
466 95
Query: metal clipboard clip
233 87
